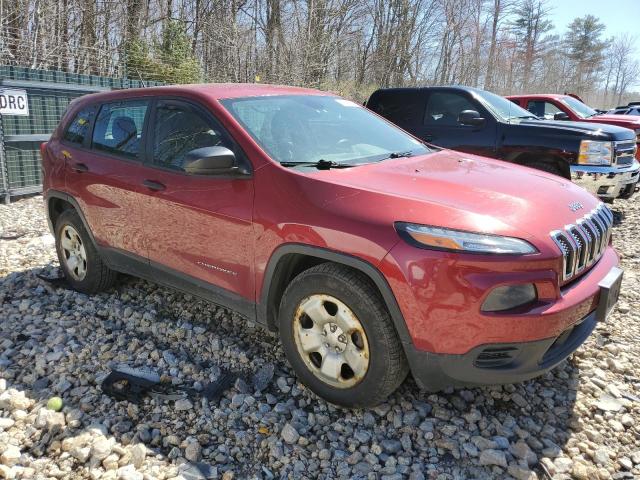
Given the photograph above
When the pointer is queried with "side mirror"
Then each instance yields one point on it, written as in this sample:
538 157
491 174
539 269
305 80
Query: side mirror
561 116
470 118
211 161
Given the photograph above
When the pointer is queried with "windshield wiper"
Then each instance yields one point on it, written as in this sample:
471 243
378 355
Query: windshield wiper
321 164
399 155
527 116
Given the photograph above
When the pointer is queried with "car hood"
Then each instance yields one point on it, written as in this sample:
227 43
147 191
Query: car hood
627 121
597 131
460 191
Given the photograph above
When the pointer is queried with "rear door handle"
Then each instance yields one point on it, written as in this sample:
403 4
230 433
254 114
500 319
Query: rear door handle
80 167
153 185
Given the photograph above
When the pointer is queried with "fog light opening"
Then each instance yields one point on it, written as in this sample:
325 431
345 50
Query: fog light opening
508 297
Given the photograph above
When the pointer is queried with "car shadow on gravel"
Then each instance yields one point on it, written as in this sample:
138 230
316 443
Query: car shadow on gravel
63 343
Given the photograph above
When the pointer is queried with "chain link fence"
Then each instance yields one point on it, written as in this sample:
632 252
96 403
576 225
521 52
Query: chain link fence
49 92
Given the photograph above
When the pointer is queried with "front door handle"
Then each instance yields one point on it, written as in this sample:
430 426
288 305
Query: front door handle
428 138
80 168
153 185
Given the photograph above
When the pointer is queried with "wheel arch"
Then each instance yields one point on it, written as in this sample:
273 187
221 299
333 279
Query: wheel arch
57 202
527 159
291 259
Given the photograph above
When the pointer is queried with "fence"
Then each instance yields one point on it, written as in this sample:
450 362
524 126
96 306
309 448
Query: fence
49 92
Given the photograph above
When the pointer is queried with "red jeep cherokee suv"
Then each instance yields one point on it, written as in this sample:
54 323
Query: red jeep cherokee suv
371 253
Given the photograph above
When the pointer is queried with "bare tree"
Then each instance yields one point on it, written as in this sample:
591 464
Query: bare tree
349 46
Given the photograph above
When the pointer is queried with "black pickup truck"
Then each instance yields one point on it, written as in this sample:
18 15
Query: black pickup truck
600 158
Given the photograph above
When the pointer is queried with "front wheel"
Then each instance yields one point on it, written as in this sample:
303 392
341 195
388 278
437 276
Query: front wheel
339 337
546 167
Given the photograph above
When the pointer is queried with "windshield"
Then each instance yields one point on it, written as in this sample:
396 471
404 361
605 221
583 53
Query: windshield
309 128
501 107
579 108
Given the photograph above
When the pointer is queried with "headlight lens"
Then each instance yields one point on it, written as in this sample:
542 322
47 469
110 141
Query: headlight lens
595 153
438 238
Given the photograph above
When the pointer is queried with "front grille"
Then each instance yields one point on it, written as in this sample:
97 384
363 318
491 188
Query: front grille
624 153
495 357
583 244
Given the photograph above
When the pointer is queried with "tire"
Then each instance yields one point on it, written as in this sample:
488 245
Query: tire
546 167
91 275
346 299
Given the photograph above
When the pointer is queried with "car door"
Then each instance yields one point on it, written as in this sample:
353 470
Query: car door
198 227
104 172
441 127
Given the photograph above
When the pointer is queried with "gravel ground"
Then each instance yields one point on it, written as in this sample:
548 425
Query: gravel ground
580 421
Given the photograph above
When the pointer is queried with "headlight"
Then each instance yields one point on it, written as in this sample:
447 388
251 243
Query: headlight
595 153
455 240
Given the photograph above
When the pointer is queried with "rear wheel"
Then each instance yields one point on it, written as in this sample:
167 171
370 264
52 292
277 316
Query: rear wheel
339 337
82 266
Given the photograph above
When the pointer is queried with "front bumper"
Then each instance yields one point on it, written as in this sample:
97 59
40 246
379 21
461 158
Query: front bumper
495 364
608 182
500 363
453 343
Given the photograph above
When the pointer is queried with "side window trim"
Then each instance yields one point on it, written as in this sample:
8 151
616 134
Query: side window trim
87 140
145 129
207 114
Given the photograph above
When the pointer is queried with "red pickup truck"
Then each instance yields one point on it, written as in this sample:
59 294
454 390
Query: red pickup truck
565 107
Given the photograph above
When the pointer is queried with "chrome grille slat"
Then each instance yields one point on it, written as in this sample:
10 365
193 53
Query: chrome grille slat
590 233
624 152
583 243
597 221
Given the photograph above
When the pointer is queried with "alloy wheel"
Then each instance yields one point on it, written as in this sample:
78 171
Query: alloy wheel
74 254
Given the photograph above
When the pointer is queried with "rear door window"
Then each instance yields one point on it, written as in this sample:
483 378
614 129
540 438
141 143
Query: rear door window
78 130
399 107
118 128
542 109
444 108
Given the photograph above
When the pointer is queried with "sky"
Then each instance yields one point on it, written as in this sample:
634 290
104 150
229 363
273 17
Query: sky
619 16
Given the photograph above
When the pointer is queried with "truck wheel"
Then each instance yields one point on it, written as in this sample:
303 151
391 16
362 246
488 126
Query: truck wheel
339 337
546 167
82 266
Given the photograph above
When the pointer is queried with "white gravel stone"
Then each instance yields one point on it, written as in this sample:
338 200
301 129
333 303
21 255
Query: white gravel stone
493 457
138 454
183 405
193 452
6 423
101 448
7 472
289 434
10 455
